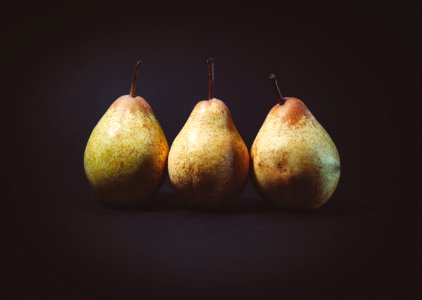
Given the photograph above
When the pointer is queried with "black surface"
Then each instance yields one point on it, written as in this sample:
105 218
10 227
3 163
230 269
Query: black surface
63 65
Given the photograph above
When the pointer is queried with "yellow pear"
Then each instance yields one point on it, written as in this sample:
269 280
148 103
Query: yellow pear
126 154
294 161
208 161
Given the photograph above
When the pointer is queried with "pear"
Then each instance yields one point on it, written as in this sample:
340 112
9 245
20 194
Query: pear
208 161
126 154
295 164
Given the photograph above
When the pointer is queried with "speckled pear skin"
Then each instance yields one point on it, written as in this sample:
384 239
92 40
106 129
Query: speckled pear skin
295 164
126 154
209 161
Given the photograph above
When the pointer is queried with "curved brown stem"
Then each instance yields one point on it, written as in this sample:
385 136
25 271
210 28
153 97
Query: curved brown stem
210 62
133 81
277 89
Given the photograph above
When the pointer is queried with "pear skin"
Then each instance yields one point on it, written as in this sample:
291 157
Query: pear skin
295 163
208 161
126 154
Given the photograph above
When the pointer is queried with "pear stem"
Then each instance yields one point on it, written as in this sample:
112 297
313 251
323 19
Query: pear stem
210 62
277 89
133 81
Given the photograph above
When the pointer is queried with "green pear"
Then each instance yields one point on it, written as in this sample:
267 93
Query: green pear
126 154
295 163
208 161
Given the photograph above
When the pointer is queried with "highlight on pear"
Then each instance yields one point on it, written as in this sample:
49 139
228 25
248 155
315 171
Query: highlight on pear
295 163
126 154
208 161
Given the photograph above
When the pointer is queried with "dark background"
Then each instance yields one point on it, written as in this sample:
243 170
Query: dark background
355 67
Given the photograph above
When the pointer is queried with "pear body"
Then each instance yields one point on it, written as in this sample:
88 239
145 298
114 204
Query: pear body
126 154
209 161
295 163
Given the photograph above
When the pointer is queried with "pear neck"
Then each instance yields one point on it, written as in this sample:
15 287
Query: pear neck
282 100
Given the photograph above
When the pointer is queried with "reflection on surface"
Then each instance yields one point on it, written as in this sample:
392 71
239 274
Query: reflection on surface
167 202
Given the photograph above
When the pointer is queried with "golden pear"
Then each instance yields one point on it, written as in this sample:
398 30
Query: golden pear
126 154
295 163
208 161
